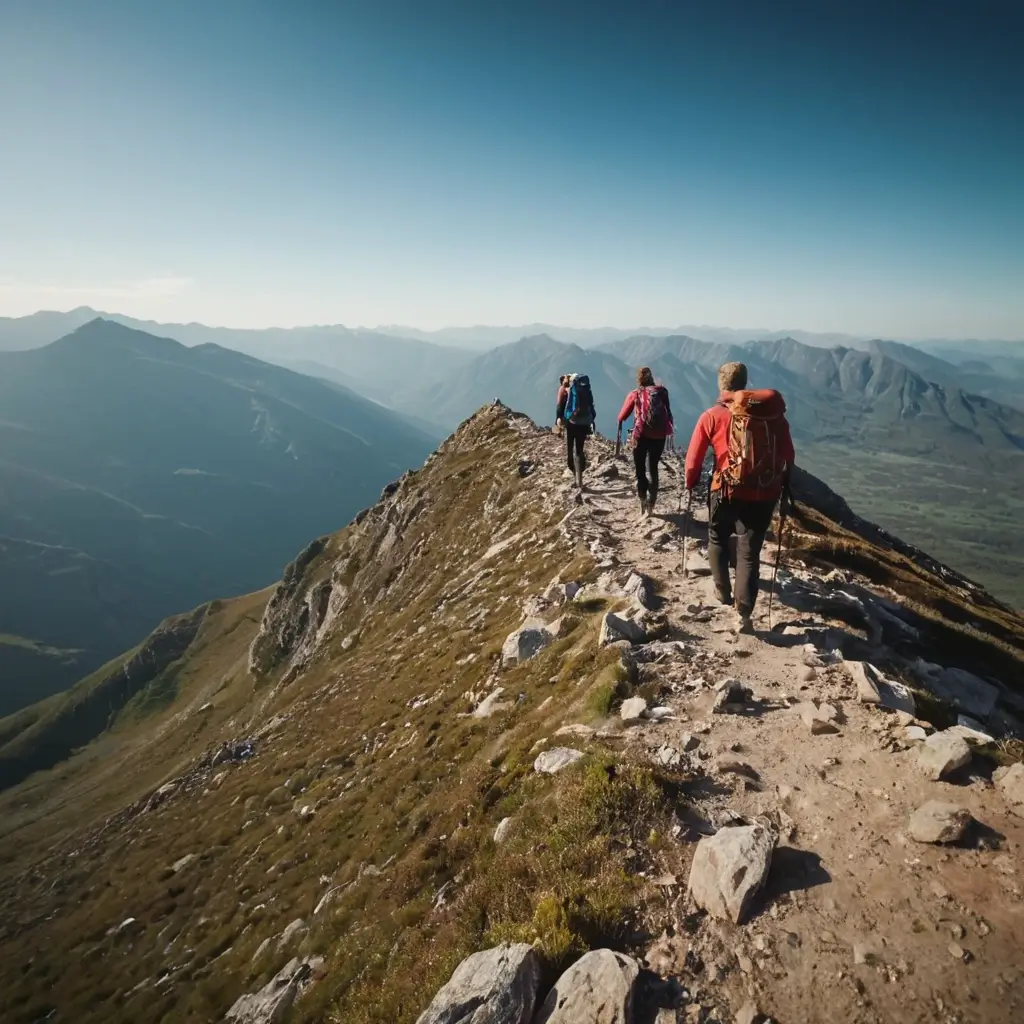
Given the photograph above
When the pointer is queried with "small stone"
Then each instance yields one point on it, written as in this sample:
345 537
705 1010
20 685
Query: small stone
941 755
820 719
579 732
689 742
731 695
296 928
632 710
550 762
733 766
745 963
915 734
183 862
938 822
503 831
957 952
808 674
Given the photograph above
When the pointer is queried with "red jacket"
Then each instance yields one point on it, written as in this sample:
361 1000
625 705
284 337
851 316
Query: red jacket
712 431
629 407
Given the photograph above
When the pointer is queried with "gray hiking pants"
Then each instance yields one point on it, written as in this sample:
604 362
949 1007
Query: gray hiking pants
749 522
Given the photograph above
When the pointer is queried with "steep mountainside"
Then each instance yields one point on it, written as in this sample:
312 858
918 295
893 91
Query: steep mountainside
139 477
483 713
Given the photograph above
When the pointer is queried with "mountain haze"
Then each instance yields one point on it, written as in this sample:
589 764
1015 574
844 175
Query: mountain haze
139 477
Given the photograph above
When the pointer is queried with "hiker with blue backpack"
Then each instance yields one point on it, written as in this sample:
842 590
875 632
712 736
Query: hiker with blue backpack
652 427
576 414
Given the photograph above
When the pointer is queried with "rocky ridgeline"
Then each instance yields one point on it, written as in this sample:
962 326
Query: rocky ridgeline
842 797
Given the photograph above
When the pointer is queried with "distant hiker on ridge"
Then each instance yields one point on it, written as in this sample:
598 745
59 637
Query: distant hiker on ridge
753 458
576 413
652 427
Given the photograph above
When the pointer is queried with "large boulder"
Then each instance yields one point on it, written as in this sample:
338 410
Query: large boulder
526 642
1009 781
273 1002
938 822
963 689
597 989
942 754
729 868
496 986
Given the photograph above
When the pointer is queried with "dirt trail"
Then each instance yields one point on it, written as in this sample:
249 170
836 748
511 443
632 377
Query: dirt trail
860 923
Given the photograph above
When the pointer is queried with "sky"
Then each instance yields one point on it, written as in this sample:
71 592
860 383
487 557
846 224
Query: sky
841 166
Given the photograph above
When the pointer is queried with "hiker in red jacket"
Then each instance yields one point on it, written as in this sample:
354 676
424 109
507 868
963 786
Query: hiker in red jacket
753 457
652 427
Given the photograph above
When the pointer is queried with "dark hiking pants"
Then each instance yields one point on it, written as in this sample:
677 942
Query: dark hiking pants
646 453
749 521
575 435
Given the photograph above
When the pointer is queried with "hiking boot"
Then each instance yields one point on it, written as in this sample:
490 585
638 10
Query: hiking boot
643 509
651 499
744 624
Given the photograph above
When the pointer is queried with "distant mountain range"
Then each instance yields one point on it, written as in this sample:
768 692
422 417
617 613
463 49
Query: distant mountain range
139 478
141 475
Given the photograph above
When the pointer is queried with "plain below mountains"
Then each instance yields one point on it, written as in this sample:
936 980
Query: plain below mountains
139 478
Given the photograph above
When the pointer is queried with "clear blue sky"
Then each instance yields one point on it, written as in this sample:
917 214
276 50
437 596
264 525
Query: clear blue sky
830 165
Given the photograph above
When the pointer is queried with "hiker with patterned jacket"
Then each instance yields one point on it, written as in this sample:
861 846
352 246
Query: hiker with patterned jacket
652 427
575 414
754 455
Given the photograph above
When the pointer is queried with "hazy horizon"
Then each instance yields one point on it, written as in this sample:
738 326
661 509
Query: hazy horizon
453 327
851 168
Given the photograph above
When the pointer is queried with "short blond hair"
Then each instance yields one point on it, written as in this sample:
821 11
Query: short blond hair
732 377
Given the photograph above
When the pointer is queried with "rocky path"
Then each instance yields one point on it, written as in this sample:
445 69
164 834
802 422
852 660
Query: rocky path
859 922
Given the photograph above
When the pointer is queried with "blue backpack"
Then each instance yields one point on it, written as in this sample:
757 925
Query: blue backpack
579 406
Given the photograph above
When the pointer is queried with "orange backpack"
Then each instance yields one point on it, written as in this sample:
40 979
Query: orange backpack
753 459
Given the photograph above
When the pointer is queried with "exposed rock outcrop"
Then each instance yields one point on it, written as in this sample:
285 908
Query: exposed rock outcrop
598 989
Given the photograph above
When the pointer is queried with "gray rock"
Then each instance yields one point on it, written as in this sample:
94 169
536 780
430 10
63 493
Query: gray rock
503 831
597 989
496 986
729 868
689 742
1009 781
294 930
915 733
749 1014
819 718
273 1002
616 627
963 689
183 862
578 732
641 589
563 626
942 754
938 822
524 643
633 709
492 704
731 696
874 688
550 762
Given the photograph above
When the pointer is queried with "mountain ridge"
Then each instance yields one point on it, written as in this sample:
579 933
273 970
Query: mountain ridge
341 806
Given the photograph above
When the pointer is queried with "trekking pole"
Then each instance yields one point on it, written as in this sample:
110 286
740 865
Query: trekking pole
787 499
618 440
686 528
